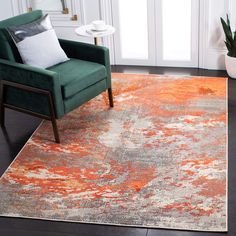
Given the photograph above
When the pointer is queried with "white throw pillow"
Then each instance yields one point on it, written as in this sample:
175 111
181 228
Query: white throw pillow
42 50
38 44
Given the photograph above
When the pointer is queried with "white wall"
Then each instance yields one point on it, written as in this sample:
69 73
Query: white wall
90 11
211 48
5 9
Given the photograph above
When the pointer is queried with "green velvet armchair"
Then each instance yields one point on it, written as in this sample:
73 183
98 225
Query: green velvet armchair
55 91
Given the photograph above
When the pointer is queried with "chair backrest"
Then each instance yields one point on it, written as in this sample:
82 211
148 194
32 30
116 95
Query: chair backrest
8 49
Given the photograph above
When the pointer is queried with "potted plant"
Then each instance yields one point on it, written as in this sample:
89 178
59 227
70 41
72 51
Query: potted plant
230 42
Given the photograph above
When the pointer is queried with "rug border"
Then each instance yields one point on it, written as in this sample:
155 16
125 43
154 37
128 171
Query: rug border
141 226
113 224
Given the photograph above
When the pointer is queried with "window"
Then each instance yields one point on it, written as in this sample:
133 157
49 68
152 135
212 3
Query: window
176 20
133 29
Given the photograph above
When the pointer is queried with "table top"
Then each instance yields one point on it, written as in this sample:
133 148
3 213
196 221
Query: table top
87 31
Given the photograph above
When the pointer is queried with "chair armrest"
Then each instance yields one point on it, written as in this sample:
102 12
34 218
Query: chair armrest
88 52
33 77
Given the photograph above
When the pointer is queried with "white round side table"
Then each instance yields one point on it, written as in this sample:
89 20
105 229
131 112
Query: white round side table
87 31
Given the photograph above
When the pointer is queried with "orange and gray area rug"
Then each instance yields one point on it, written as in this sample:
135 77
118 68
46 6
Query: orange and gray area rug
157 159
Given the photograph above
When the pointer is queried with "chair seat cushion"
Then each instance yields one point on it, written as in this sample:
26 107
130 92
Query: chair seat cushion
77 75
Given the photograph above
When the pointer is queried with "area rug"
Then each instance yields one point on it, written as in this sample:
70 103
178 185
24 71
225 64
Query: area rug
157 159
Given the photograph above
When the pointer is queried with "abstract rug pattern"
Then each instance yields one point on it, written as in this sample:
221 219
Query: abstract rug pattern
157 159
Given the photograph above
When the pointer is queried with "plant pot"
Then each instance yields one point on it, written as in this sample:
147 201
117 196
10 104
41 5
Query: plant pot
230 63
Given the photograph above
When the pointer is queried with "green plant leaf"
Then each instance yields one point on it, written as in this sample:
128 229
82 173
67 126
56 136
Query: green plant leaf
229 42
228 23
235 36
228 33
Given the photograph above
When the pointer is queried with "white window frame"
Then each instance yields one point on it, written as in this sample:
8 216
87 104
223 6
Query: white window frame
194 62
151 37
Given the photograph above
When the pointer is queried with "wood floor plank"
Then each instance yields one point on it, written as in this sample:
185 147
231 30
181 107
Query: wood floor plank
53 228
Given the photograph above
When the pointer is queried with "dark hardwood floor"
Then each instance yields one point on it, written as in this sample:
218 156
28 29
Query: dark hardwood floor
19 128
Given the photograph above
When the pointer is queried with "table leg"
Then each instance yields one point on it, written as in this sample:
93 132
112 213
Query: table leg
96 41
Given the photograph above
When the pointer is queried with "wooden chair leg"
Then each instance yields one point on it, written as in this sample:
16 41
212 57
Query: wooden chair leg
110 96
51 106
55 131
2 108
53 118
